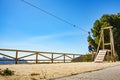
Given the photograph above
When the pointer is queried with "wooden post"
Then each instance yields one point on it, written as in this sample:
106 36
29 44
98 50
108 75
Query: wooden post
16 58
113 54
99 41
64 58
52 58
111 44
36 57
103 39
73 57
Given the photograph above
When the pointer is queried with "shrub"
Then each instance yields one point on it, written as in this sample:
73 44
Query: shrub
33 79
34 74
6 72
87 58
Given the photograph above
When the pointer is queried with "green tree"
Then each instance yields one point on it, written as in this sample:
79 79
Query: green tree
105 21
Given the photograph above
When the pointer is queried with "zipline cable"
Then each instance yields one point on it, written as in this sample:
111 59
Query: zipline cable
59 18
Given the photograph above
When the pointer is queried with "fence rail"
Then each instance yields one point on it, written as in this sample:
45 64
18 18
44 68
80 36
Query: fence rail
50 58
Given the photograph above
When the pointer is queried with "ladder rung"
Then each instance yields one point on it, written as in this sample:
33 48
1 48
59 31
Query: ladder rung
109 50
107 44
107 27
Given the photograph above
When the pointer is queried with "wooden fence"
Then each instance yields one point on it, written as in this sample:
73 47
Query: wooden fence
51 58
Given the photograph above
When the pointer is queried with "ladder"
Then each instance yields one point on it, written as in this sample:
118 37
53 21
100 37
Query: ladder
100 56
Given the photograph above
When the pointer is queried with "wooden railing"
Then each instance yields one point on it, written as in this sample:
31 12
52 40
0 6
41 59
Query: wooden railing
51 58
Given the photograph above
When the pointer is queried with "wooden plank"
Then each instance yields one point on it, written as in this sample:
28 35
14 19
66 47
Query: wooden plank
7 56
45 60
44 56
59 53
69 57
30 60
14 50
58 57
26 56
99 41
112 43
107 43
62 60
107 27
103 46
100 56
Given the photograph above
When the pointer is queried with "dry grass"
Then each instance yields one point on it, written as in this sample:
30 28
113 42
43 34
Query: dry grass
51 71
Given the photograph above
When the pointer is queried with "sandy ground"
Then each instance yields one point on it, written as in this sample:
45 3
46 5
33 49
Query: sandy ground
112 73
52 71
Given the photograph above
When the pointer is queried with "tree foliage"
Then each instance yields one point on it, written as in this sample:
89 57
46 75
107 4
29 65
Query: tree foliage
105 21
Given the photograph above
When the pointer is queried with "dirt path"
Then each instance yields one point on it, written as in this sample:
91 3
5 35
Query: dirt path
112 73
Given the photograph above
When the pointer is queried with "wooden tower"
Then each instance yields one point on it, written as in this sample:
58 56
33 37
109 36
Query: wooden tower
108 54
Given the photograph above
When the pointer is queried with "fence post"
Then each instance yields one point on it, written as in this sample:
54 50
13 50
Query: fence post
36 57
64 58
52 58
73 56
16 58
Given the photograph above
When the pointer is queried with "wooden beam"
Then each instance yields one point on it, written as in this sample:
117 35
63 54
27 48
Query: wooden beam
58 57
58 53
99 41
7 56
44 56
107 27
26 56
103 46
112 42
14 50
45 60
107 43
68 56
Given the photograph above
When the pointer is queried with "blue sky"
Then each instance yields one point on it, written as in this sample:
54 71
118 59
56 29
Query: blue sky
25 27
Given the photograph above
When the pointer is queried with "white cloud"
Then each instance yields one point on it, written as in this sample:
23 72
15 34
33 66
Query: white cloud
45 43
